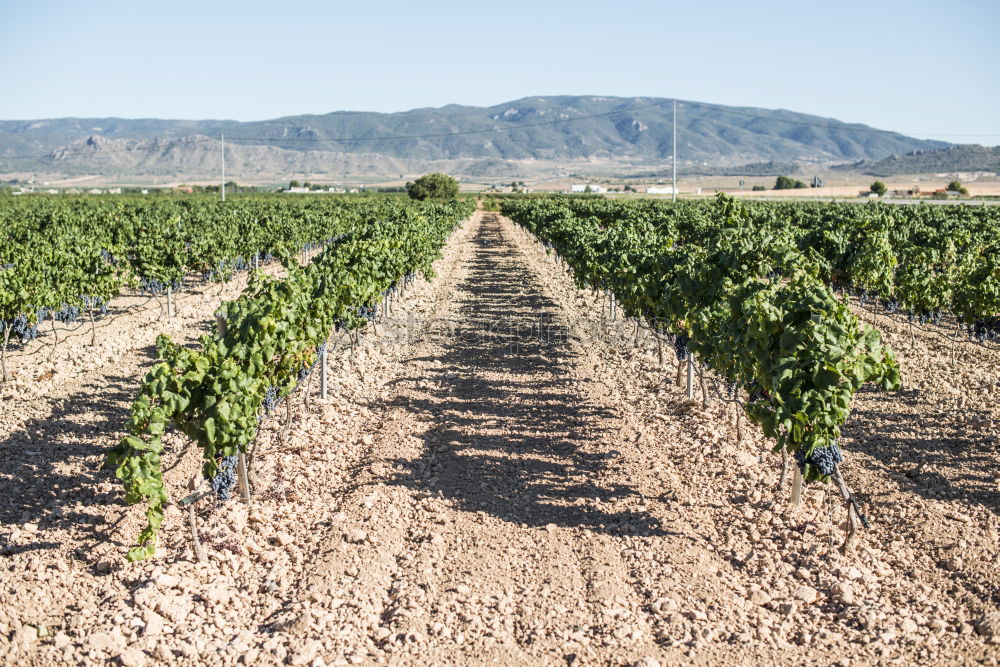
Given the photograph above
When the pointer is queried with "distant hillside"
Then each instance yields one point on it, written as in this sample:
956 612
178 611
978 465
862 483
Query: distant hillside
551 129
967 157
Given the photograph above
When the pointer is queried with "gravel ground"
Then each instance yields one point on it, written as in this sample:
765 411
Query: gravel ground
500 475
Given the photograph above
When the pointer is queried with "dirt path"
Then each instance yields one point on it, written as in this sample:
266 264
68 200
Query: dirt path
499 476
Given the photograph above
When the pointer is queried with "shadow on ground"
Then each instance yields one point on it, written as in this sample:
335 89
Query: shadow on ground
901 432
511 437
52 470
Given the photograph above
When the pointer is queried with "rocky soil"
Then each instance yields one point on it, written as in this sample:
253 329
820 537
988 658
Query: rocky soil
501 475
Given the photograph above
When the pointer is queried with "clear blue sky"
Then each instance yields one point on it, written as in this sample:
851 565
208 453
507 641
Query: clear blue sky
928 69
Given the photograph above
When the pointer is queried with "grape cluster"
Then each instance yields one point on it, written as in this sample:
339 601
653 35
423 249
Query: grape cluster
67 314
891 305
368 312
270 400
153 287
225 477
681 346
731 389
96 302
986 329
21 327
923 317
824 459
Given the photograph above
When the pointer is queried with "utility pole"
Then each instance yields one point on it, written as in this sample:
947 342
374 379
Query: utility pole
223 137
673 190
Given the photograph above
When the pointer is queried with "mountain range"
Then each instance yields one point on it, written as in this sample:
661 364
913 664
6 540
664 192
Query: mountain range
533 134
951 159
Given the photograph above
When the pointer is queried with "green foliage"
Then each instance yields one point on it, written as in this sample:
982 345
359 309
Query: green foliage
879 188
736 283
787 183
956 186
758 188
433 186
215 393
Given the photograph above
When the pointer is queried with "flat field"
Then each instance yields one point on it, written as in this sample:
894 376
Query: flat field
502 473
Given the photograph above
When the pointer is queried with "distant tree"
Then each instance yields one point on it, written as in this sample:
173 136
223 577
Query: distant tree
787 183
878 187
956 186
629 188
587 190
433 186
293 184
758 188
307 185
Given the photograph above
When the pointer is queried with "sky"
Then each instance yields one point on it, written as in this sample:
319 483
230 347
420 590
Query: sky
926 69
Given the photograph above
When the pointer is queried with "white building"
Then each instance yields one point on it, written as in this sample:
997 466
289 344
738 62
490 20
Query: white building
586 188
660 190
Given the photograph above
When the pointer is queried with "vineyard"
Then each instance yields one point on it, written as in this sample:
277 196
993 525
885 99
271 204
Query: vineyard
332 430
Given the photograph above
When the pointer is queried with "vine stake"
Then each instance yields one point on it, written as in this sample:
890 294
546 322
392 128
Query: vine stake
55 334
241 472
704 389
3 352
690 376
199 552
739 423
322 374
93 327
852 511
288 422
797 487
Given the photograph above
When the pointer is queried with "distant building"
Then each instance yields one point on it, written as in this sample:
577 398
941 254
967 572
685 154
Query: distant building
660 190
